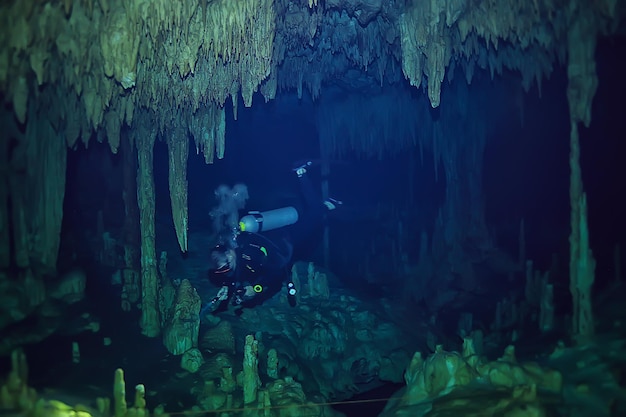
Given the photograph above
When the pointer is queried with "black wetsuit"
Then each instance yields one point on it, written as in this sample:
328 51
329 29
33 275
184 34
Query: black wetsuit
265 263
261 263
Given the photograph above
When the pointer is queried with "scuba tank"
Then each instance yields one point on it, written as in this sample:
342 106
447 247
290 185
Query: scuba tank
256 221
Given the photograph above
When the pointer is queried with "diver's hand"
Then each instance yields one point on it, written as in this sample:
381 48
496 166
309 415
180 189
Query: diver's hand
222 294
243 294
215 302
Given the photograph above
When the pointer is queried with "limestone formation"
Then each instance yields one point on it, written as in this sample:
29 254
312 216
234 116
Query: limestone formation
180 332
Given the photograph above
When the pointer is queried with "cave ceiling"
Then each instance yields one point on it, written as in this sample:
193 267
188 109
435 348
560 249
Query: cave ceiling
131 72
95 66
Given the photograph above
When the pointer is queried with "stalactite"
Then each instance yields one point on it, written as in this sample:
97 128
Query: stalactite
51 159
21 253
35 166
208 129
371 124
131 279
521 244
104 56
473 168
617 264
10 132
113 121
436 154
145 135
178 152
581 66
454 206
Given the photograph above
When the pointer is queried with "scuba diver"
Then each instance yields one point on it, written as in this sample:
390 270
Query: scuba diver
251 267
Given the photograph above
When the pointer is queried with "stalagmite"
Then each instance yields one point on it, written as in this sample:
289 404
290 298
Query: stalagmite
546 311
582 263
250 380
119 394
15 394
178 152
180 331
144 139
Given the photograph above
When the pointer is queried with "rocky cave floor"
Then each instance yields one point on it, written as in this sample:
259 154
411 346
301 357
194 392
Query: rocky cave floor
594 376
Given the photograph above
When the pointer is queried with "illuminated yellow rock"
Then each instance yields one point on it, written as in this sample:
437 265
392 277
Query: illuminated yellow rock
15 394
54 408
